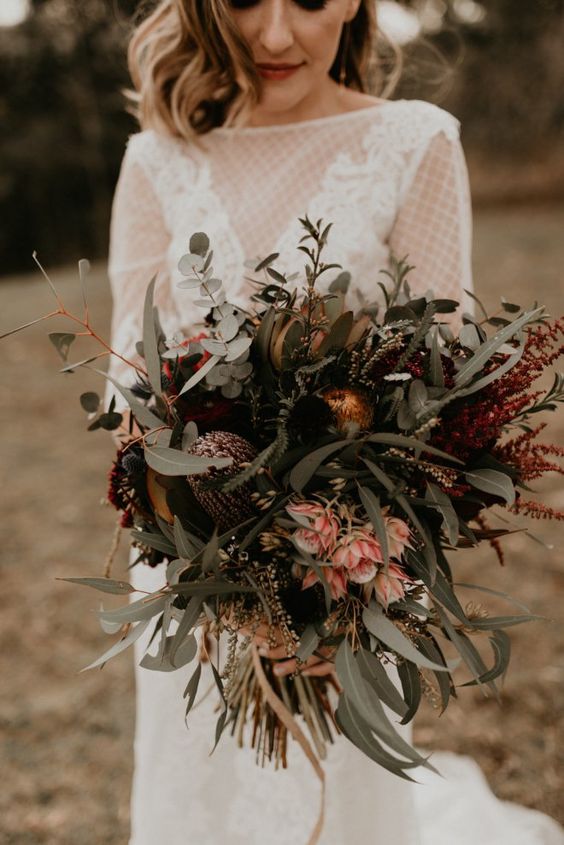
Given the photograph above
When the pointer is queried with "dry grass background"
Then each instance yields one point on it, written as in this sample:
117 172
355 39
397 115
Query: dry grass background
66 739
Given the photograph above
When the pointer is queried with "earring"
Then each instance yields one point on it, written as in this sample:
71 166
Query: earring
344 54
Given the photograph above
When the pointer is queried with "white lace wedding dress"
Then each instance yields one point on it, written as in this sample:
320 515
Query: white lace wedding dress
391 177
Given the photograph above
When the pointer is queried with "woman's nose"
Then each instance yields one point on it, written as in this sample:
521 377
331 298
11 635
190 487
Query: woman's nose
276 33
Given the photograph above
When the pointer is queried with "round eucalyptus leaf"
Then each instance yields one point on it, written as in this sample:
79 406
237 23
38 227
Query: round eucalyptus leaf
219 376
90 402
189 284
223 310
237 347
228 328
190 263
214 347
231 390
210 287
199 243
241 371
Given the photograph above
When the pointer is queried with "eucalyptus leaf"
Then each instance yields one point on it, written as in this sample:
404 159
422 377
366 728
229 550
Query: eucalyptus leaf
482 355
410 679
143 415
448 513
191 263
493 482
135 611
150 341
199 244
190 283
417 396
228 328
105 585
154 541
232 390
309 641
435 361
368 705
389 634
187 545
120 646
200 374
62 342
90 402
371 504
237 347
305 469
375 674
192 688
356 729
174 462
469 337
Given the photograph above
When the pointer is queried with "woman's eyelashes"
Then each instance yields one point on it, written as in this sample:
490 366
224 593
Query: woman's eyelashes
310 5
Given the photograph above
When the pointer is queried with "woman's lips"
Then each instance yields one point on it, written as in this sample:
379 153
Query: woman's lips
272 71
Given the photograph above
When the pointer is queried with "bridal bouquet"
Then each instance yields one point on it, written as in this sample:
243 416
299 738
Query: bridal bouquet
304 471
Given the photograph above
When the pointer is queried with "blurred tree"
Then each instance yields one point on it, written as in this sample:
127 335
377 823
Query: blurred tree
61 76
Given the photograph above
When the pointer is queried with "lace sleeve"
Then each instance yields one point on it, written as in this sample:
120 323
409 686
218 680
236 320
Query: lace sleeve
138 245
434 224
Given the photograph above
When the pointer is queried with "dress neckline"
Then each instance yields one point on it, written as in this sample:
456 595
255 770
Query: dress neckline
299 124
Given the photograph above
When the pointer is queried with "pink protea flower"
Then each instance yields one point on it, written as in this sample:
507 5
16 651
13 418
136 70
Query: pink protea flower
324 525
336 578
360 553
389 588
398 534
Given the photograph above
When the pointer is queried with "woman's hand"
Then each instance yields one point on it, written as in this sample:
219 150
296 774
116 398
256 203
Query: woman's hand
285 665
314 665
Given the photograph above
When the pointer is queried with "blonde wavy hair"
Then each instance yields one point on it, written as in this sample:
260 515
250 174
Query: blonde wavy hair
192 70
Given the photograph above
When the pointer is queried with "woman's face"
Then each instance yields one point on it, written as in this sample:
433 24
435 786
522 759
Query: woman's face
294 44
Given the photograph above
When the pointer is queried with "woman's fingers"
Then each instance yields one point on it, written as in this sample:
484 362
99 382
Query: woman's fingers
313 666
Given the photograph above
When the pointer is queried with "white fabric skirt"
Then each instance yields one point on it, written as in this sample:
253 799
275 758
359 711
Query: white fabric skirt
183 796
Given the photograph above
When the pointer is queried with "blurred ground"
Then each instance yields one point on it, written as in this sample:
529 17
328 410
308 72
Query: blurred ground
67 738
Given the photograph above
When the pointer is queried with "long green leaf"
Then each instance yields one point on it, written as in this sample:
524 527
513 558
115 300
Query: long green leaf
431 650
150 344
192 688
105 585
174 462
305 469
493 482
356 729
448 513
411 686
309 641
482 355
402 441
501 646
143 415
375 674
135 611
371 504
120 646
365 700
188 621
378 624
154 541
466 649
187 545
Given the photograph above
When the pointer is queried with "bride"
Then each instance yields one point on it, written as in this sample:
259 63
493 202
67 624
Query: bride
253 113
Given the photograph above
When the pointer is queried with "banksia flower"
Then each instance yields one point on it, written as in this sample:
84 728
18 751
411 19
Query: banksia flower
226 509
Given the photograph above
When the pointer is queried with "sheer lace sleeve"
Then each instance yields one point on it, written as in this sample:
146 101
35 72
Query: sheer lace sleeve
434 223
138 244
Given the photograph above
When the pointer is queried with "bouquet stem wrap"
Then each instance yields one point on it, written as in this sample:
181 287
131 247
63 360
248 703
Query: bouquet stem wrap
292 726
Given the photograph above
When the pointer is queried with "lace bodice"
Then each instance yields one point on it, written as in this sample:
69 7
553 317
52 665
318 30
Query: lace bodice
391 177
